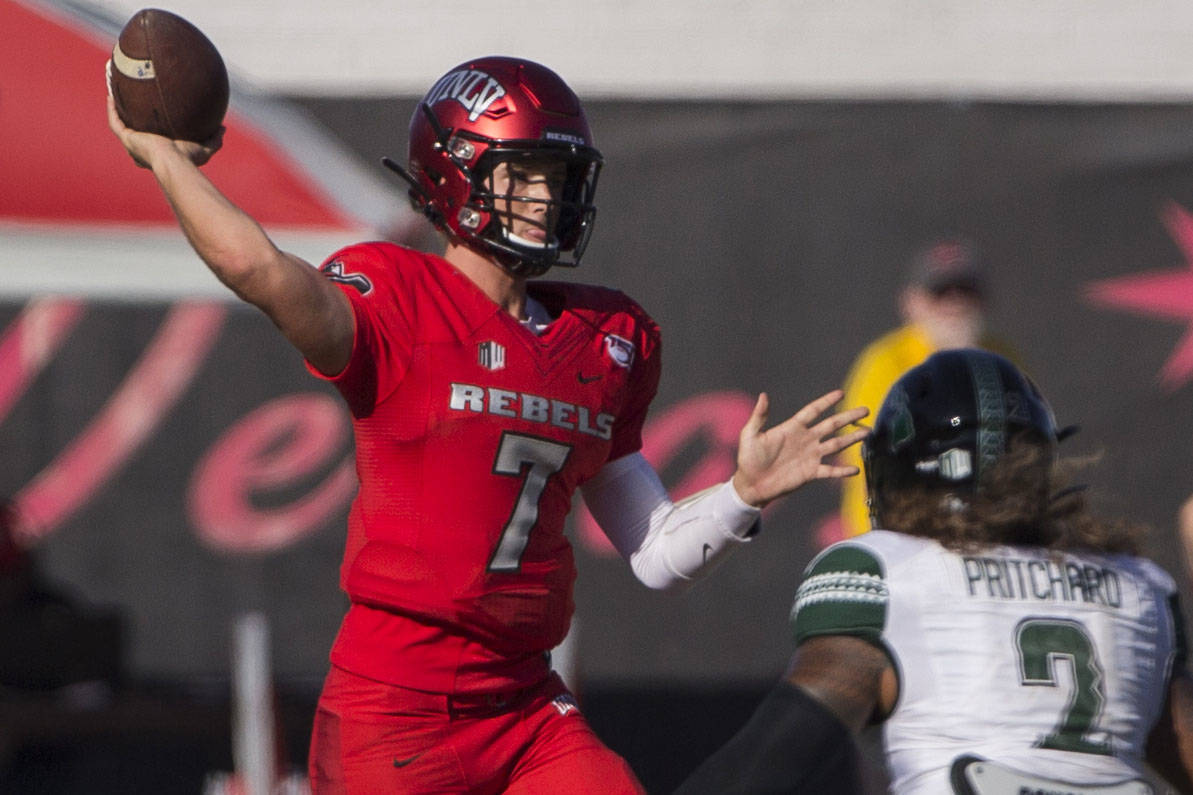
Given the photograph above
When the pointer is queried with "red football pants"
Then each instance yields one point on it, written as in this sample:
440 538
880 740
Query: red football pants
374 738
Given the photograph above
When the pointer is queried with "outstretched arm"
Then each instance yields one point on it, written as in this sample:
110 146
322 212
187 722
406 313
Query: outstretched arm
310 311
668 543
800 739
851 677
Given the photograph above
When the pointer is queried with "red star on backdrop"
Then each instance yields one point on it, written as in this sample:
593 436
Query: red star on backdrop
1168 294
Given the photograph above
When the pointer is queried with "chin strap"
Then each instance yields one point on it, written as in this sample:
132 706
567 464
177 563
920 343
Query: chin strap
421 200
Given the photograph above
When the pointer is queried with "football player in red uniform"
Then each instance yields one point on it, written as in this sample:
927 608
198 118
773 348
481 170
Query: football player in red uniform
481 401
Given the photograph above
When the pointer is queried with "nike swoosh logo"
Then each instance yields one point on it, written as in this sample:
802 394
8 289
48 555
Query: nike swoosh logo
404 762
587 379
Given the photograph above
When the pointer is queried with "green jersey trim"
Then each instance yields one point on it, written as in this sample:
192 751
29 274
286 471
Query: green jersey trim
843 593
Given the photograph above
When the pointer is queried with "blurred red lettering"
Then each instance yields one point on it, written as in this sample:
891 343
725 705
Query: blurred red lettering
276 446
129 417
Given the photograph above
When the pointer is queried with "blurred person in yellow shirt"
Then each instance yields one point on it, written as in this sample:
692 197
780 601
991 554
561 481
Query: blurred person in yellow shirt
943 306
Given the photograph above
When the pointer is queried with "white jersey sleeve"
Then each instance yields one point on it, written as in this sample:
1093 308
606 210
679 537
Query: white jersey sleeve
1052 664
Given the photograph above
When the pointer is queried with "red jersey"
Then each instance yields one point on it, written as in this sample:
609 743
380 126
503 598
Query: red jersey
472 434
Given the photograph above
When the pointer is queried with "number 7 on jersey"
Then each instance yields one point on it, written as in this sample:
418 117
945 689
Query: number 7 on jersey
534 460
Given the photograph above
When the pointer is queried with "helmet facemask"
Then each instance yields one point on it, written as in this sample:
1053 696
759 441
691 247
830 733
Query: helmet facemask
529 206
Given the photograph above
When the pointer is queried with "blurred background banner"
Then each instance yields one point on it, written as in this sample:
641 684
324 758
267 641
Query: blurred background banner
174 457
169 457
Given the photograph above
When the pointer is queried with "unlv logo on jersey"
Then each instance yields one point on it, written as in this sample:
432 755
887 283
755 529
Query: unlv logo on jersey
334 270
490 355
473 89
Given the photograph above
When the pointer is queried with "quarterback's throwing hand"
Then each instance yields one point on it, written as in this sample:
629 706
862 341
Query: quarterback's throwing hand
778 460
144 147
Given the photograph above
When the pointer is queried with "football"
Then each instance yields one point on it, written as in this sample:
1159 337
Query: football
168 78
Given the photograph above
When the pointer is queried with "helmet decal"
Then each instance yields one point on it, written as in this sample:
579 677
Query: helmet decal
902 425
955 464
472 88
564 137
992 413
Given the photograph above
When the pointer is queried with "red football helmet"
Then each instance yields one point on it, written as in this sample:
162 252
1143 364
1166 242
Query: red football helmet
503 110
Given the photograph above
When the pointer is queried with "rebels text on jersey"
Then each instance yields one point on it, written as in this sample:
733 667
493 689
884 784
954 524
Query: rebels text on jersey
472 433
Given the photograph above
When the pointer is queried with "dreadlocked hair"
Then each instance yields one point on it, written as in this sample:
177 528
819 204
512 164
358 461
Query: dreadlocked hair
1025 499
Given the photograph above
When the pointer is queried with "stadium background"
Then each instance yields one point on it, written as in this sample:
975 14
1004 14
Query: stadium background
768 170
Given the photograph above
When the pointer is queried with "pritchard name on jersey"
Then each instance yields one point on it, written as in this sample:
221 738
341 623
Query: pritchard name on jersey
1045 580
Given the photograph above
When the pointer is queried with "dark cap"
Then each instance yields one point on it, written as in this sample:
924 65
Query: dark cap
946 263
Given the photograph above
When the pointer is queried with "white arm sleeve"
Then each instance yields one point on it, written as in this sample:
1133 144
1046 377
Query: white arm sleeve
666 543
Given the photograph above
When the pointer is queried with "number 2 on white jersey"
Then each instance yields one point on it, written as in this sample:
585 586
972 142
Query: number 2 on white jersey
1041 643
534 460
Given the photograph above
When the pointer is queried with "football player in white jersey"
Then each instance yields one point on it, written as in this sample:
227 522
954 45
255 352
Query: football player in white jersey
1007 640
